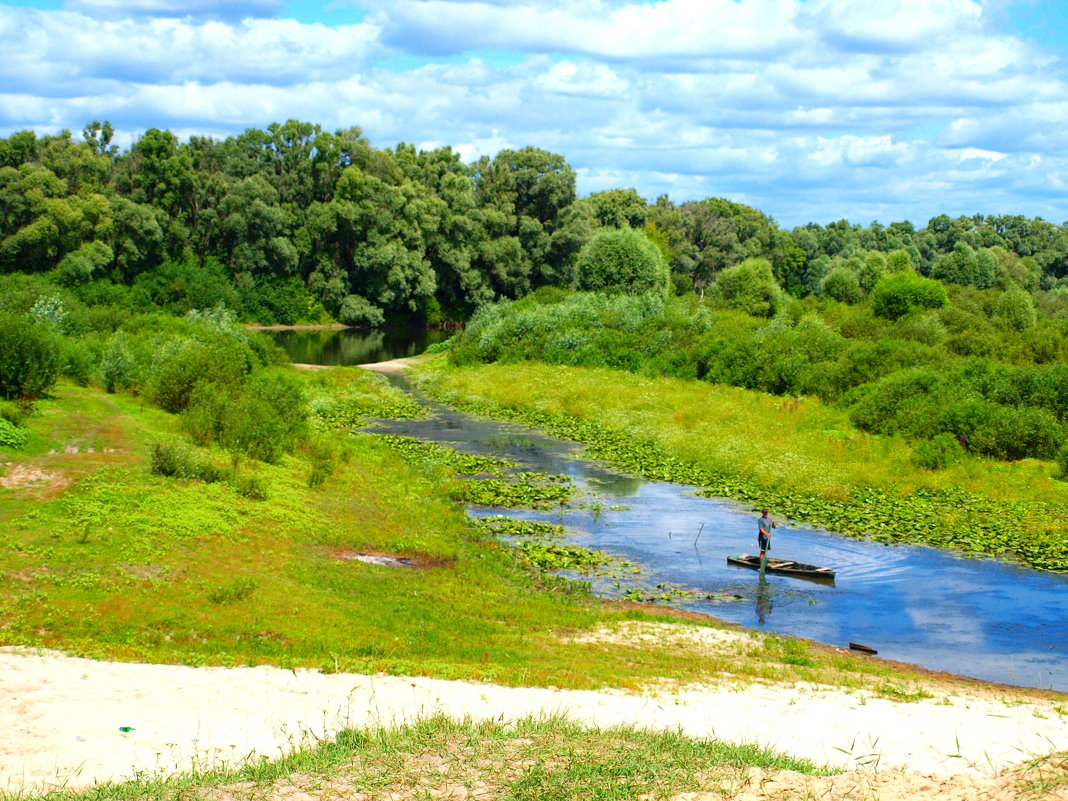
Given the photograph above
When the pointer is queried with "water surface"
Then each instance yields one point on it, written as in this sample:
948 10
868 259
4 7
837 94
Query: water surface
351 346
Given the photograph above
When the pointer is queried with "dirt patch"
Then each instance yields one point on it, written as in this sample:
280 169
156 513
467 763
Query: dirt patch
638 633
20 476
386 559
314 367
327 327
396 365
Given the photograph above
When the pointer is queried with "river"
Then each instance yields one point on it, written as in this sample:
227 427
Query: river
982 618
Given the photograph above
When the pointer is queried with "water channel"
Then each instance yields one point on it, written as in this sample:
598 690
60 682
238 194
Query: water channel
982 618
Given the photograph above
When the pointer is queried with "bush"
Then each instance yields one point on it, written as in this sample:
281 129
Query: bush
937 453
264 419
31 356
1015 310
751 288
842 285
12 436
897 294
1062 461
174 460
622 260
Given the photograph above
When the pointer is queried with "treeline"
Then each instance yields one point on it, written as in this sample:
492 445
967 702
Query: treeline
296 224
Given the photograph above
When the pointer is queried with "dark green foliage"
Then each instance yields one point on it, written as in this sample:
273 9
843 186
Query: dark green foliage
622 260
842 285
293 224
900 293
179 286
264 419
1062 461
31 356
175 460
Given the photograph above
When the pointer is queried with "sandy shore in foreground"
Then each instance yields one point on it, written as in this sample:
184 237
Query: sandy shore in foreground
64 720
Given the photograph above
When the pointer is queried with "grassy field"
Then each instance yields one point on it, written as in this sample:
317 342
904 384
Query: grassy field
102 558
800 458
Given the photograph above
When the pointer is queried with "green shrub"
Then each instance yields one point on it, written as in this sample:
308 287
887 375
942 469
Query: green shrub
751 288
1015 310
174 460
622 260
897 294
12 436
117 366
842 285
1062 461
31 356
182 285
264 419
251 487
937 453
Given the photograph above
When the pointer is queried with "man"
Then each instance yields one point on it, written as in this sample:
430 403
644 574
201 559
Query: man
764 527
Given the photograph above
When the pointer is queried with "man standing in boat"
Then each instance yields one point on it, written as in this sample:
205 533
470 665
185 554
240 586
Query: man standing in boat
764 527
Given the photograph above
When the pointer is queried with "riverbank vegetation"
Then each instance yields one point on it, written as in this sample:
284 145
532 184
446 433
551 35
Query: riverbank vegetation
801 457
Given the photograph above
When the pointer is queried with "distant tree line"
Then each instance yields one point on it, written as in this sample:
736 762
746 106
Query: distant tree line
296 224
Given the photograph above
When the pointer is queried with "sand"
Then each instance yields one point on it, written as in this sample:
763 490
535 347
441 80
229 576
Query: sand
75 722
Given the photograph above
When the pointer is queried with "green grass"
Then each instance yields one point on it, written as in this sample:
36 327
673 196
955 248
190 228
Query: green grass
802 459
529 760
104 559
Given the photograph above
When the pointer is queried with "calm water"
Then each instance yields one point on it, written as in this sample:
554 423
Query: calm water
353 346
986 619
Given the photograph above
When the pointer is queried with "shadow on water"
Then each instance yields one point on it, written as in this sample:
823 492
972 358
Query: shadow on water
991 620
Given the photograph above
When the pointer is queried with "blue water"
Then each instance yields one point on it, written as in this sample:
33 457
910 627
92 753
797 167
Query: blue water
990 620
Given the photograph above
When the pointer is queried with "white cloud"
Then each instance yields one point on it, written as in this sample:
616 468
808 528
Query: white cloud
65 53
808 110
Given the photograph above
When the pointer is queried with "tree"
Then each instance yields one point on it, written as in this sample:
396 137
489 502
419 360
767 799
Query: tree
622 260
751 287
897 294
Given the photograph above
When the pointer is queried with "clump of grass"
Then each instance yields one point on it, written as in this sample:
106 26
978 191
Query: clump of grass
529 760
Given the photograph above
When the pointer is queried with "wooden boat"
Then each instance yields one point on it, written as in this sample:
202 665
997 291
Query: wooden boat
783 567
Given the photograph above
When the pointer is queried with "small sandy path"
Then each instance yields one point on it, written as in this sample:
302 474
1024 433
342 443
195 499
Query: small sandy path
61 718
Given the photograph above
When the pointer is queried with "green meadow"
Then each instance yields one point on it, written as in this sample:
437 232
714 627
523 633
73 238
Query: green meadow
104 558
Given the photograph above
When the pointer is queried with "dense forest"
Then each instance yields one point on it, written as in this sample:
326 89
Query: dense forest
954 335
294 224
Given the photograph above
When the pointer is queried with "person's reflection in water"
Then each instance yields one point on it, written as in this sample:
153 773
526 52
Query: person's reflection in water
763 599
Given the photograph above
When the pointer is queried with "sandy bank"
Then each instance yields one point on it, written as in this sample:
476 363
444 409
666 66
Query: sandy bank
62 719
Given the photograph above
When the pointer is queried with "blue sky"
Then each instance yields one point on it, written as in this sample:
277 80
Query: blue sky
810 110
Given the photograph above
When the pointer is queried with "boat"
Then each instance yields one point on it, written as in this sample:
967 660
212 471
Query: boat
783 567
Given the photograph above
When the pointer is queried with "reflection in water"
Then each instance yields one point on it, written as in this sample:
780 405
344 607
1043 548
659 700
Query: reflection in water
992 620
763 599
354 346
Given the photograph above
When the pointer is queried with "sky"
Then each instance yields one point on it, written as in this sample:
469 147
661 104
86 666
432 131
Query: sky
809 110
